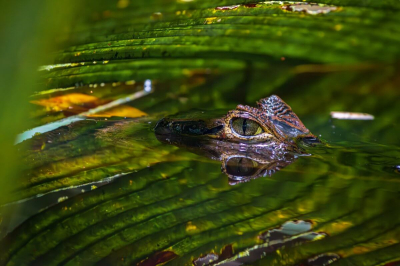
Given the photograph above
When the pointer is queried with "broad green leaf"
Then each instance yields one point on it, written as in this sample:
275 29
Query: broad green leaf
104 190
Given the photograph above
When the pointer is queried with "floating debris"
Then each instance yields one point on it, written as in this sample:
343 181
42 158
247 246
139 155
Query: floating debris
205 260
250 5
212 258
323 259
290 234
289 228
227 7
309 8
351 116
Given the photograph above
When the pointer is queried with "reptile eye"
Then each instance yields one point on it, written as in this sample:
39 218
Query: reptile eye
246 127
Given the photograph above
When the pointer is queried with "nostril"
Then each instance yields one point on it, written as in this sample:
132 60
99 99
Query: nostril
310 140
214 130
162 127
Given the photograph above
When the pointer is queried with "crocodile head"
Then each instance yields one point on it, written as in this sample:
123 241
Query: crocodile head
249 141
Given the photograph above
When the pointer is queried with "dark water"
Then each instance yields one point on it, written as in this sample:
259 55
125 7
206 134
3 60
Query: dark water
98 187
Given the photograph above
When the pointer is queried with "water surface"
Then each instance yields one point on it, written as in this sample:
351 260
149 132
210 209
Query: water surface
100 188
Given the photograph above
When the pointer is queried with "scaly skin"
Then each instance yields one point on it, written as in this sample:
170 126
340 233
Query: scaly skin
250 142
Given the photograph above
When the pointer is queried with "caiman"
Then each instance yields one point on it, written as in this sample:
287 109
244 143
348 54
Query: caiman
249 141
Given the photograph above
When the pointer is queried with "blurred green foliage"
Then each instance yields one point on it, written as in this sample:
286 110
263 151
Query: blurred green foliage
28 35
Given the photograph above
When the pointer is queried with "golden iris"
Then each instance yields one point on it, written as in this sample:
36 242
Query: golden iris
246 127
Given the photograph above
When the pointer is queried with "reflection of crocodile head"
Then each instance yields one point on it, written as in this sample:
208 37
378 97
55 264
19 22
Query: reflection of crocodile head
250 142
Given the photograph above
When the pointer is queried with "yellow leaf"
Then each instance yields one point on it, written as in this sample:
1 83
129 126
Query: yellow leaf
63 102
121 111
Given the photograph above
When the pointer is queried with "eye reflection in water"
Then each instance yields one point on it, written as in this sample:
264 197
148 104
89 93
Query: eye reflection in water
240 168
240 162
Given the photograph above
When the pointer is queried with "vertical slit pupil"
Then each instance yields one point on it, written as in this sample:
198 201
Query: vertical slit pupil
245 127
239 164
